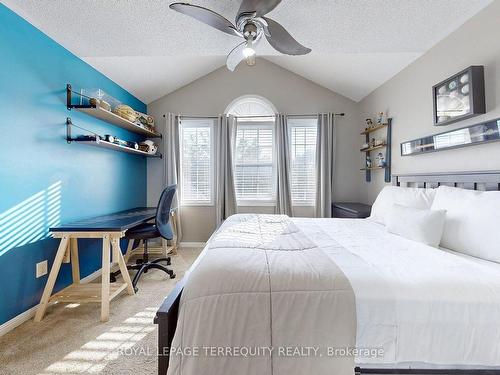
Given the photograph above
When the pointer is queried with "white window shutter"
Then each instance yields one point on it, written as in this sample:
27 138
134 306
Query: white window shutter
197 162
303 133
254 162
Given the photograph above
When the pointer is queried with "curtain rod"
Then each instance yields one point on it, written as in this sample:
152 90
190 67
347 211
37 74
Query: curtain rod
292 115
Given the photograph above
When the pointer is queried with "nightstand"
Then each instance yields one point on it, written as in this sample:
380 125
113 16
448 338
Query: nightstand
352 210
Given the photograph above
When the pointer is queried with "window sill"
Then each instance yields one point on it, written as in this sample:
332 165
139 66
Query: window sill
196 204
255 203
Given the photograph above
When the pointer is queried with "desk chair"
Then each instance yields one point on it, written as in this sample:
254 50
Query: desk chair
146 231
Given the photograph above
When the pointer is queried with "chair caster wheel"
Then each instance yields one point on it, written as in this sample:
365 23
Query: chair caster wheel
169 262
136 289
172 275
112 278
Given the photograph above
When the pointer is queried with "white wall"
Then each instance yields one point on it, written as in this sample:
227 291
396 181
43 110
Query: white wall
408 99
290 93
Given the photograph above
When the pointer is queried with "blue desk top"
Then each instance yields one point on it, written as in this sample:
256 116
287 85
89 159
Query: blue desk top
116 222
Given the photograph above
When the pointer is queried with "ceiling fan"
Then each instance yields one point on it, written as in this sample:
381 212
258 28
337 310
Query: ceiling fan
251 25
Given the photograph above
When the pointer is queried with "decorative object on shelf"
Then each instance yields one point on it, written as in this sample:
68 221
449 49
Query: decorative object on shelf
98 104
376 143
126 112
152 148
382 118
368 161
146 120
98 98
484 132
380 160
459 97
88 138
369 124
109 138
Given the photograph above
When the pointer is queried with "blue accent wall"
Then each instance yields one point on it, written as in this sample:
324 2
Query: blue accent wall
43 179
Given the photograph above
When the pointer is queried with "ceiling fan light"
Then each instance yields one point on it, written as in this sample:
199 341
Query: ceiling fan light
248 52
250 60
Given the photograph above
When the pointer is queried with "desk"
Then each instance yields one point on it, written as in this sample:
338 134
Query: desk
109 228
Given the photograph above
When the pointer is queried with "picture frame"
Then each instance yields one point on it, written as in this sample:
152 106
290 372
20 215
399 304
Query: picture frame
459 97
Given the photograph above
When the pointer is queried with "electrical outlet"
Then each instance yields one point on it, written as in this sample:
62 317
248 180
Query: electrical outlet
41 269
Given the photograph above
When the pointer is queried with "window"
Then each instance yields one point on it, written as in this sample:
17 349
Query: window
254 162
254 159
251 105
197 162
303 133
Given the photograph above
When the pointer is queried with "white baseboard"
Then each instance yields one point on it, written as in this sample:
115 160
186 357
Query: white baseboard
30 313
192 244
17 320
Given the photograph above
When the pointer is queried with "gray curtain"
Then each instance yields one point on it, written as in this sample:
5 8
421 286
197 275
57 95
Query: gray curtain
225 199
283 193
325 164
171 161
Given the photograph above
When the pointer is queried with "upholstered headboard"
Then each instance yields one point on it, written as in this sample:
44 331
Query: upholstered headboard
483 180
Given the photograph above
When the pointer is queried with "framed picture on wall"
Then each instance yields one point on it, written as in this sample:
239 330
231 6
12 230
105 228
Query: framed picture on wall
459 97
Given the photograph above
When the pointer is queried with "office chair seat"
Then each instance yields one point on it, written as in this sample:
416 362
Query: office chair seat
148 231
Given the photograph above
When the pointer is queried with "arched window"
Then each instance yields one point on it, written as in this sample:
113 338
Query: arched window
251 105
254 152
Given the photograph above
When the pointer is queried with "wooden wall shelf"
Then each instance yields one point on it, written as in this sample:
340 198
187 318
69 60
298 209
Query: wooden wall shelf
375 128
114 146
372 168
116 120
106 116
387 145
98 141
372 148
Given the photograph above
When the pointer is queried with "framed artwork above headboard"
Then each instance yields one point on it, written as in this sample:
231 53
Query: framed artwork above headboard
460 96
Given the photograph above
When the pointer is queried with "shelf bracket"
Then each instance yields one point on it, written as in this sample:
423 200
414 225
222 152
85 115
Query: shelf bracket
69 99
69 139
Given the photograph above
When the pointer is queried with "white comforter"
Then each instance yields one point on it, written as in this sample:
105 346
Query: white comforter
420 306
264 300
426 307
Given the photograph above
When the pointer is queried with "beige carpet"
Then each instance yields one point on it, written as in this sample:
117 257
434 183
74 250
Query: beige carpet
72 340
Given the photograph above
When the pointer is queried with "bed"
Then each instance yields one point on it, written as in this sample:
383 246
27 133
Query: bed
389 301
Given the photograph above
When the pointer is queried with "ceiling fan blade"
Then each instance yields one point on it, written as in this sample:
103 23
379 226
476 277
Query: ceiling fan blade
259 7
206 16
282 41
235 57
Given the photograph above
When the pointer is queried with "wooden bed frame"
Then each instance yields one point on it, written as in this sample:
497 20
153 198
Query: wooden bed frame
167 314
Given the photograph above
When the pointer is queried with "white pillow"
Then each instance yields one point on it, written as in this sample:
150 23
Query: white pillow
472 221
416 224
409 197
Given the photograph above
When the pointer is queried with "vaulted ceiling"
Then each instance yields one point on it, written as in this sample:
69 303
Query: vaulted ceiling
151 50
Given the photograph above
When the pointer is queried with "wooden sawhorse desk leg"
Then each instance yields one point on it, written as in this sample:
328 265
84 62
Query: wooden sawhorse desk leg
114 241
118 258
108 239
54 271
106 266
75 262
